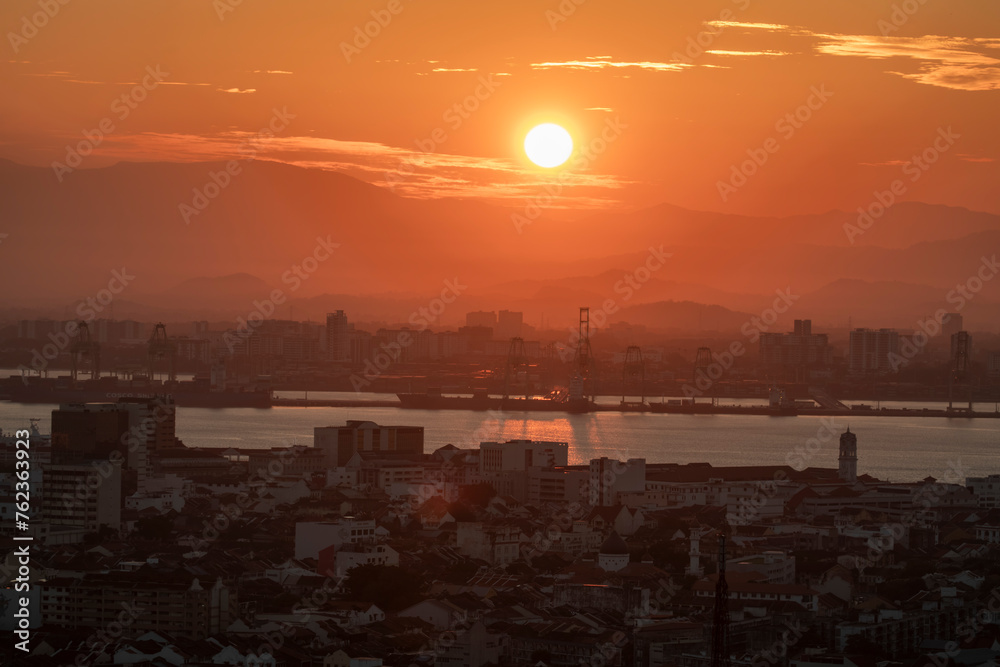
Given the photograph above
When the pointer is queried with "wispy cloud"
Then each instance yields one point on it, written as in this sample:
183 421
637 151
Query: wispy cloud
56 74
69 77
718 52
886 163
603 62
412 173
776 27
959 63
237 91
438 66
948 62
271 71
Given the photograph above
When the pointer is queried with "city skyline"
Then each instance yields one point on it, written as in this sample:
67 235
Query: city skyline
387 333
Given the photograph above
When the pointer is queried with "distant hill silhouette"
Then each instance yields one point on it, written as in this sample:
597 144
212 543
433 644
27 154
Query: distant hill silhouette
395 253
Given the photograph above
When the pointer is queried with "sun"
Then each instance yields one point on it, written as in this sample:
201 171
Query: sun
548 145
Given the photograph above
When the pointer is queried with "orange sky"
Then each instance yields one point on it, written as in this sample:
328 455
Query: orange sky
674 120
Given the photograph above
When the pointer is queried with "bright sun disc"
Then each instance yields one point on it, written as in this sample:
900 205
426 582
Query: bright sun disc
548 145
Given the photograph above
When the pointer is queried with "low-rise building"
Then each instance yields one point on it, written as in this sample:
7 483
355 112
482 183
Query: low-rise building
338 561
611 479
773 567
751 591
180 605
311 537
475 647
985 489
898 632
498 544
340 443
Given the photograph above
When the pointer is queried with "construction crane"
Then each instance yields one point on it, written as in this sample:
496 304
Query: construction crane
961 353
633 377
702 361
517 364
585 371
85 351
161 347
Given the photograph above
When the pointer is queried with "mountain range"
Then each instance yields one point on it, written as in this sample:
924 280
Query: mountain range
201 247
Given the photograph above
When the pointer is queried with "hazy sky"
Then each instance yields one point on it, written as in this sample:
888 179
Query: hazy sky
669 96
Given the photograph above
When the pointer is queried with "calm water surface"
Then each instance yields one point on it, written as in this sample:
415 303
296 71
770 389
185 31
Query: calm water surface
891 448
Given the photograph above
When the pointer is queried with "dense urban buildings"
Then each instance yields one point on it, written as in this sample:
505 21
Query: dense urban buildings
500 353
499 334
501 553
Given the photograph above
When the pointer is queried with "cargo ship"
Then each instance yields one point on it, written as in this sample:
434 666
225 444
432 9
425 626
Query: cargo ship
187 393
779 405
682 406
433 399
687 407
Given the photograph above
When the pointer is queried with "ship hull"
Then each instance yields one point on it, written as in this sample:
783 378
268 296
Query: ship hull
709 409
187 399
432 402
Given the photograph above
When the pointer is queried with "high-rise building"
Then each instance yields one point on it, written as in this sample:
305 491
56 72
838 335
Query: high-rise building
116 332
133 427
799 349
509 325
481 318
611 479
474 339
87 431
338 337
405 345
870 349
288 339
70 498
362 346
993 364
340 443
152 427
951 324
194 349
